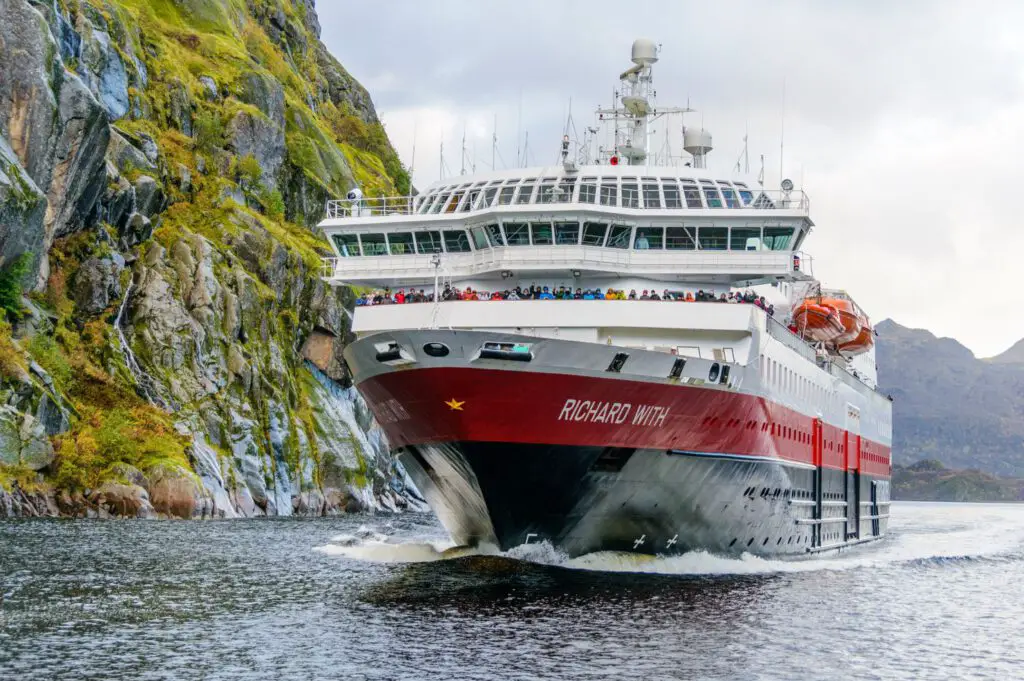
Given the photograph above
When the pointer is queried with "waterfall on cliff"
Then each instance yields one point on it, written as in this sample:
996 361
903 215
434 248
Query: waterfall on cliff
143 381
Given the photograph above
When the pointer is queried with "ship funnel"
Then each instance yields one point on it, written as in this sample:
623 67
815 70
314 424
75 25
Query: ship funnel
697 143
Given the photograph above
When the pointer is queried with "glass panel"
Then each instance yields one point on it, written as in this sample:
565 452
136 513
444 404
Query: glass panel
374 244
347 244
567 233
680 238
777 238
470 202
713 238
745 239
479 238
401 243
619 237
593 233
672 196
711 194
489 195
546 194
630 195
608 194
428 242
494 232
505 197
648 237
746 196
692 195
456 241
454 203
517 233
588 190
564 193
652 197
525 191
730 195
425 203
436 208
542 235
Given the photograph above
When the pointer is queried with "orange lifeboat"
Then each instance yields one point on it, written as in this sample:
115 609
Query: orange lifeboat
817 322
861 344
852 319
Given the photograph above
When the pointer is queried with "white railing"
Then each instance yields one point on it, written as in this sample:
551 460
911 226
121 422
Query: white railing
762 200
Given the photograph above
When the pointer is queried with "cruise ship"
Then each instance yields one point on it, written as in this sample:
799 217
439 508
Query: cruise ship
623 351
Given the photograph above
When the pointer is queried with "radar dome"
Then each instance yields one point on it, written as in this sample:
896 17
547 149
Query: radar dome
697 141
645 52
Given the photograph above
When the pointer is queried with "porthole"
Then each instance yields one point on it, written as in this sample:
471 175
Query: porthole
436 349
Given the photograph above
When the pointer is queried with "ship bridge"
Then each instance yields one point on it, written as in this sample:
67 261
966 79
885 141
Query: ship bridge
674 225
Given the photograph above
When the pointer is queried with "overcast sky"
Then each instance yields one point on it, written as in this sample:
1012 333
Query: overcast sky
904 121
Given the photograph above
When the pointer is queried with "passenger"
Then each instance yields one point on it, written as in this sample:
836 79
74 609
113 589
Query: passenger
645 295
771 310
723 299
400 297
632 294
611 294
497 296
665 295
689 296
588 295
545 295
578 295
655 296
513 294
641 242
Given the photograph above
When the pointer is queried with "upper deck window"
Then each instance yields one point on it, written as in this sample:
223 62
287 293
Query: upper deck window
777 238
745 239
456 241
525 191
374 244
489 194
652 196
400 243
542 234
649 238
619 236
746 196
517 233
347 245
567 233
730 195
594 233
428 242
505 197
442 198
423 203
608 197
494 232
453 203
673 199
692 195
564 192
546 193
630 195
472 197
680 238
711 194
588 190
713 238
479 238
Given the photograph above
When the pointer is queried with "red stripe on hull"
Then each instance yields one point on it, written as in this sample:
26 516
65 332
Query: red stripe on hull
417 406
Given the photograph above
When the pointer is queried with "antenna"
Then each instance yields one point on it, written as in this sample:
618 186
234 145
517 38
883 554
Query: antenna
782 134
440 170
462 168
519 127
494 141
412 162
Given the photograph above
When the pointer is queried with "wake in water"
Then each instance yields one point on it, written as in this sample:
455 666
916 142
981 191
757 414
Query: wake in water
921 533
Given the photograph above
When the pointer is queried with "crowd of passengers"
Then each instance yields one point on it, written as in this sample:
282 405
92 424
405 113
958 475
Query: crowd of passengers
403 296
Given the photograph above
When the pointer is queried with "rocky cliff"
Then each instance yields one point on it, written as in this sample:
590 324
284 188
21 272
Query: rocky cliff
167 346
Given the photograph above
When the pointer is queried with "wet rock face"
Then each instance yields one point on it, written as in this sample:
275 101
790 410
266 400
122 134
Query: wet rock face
22 209
98 284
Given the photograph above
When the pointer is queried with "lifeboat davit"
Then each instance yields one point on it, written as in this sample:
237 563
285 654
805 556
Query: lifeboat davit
852 319
861 344
817 322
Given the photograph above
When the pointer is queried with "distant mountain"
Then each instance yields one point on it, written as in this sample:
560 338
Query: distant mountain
931 481
1015 355
950 406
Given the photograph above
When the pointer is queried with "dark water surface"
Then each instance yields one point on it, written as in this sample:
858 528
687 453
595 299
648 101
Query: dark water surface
368 598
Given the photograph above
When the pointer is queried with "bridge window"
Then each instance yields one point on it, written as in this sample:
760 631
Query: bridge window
680 238
567 233
745 239
505 197
711 194
652 196
494 232
542 235
525 192
424 203
401 243
630 195
594 233
454 203
374 244
730 195
347 245
649 238
672 196
470 203
517 233
442 198
479 238
456 241
713 238
588 190
608 194
777 238
692 195
619 236
546 194
489 195
746 196
428 242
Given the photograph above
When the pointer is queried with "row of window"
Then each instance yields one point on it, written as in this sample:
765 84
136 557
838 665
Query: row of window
500 234
627 192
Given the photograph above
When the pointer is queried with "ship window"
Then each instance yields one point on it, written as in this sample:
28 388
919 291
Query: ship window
525 192
546 194
401 243
777 238
541 233
479 238
652 197
608 194
567 233
454 203
630 195
594 233
347 245
672 197
680 238
745 239
730 195
619 236
563 193
746 196
649 238
428 242
494 232
424 204
489 195
711 194
588 190
441 200
713 238
471 198
374 244
692 195
517 233
456 241
505 197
